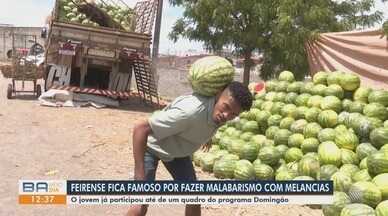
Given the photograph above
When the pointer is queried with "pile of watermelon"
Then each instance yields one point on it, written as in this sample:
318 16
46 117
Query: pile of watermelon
330 128
69 11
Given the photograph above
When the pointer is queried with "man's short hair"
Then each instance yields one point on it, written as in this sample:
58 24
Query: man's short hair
241 94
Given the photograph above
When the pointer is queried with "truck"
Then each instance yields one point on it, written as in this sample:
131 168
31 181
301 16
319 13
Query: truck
95 47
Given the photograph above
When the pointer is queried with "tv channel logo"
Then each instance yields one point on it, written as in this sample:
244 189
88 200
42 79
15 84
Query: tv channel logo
42 187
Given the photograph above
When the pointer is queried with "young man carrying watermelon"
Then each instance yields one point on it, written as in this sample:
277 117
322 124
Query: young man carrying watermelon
175 133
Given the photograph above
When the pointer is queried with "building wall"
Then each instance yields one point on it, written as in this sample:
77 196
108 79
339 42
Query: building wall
20 41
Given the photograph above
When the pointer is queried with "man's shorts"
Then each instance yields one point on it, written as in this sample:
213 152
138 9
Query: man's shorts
181 169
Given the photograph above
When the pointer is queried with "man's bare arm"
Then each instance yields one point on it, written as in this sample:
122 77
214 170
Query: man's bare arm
141 131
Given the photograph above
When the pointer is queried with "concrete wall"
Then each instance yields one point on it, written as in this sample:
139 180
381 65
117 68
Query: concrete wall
6 38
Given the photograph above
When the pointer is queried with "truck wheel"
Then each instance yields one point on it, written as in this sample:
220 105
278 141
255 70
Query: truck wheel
38 90
9 91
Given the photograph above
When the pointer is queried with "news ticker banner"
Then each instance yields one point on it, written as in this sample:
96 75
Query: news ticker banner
104 192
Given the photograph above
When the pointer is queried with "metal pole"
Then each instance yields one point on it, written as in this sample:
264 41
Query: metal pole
155 44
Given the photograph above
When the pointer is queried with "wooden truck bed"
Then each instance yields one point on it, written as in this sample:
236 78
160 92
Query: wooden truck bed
100 36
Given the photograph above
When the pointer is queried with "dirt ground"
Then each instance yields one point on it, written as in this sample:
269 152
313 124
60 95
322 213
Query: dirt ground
83 143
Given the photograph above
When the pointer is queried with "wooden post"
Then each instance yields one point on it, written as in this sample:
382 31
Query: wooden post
155 43
83 71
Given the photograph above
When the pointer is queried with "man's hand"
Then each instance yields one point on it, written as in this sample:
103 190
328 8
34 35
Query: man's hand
206 147
139 175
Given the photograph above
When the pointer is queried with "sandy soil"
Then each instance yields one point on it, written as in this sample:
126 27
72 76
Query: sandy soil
82 143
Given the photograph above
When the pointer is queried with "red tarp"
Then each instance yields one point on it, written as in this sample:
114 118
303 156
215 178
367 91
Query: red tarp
362 52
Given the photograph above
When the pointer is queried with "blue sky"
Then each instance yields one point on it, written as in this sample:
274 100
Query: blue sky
33 13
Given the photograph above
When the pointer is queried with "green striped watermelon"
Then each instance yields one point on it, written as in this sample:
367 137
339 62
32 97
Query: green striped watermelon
258 140
298 126
378 96
246 136
328 118
334 77
311 114
285 175
289 110
286 123
244 170
347 140
339 202
381 181
329 153
314 101
280 96
320 77
224 168
249 151
274 120
301 112
361 94
346 103
295 140
349 169
235 146
350 82
327 134
384 148
382 209
291 97
349 157
311 130
263 171
326 171
306 88
282 149
331 103
250 126
197 157
269 155
318 89
271 131
207 161
302 99
294 87
262 118
334 90
281 86
293 154
308 166
365 192
269 97
361 175
379 137
211 74
281 137
376 110
341 181
357 106
357 209
364 150
309 145
286 76
271 85
364 163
